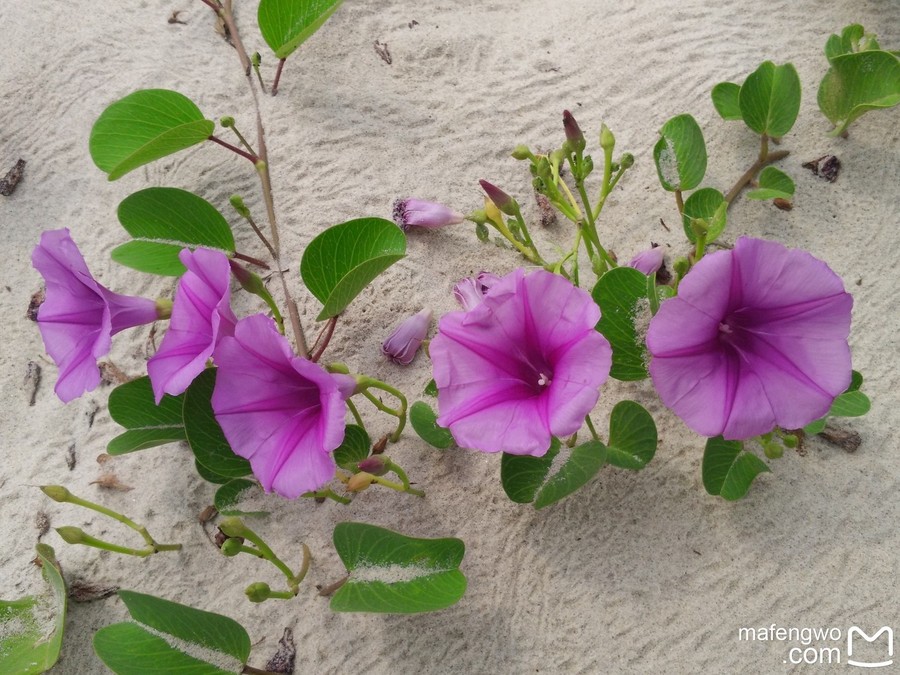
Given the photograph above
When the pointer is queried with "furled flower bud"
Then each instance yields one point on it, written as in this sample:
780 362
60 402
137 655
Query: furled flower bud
573 132
522 152
56 492
420 213
402 345
377 465
227 121
70 534
607 140
359 481
232 546
649 261
502 200
467 293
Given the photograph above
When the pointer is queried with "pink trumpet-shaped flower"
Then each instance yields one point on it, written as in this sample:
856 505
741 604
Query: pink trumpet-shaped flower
401 345
649 261
420 213
283 413
79 316
524 365
201 316
756 337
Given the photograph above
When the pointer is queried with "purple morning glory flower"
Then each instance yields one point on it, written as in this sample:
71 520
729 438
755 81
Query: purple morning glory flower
401 345
524 365
420 213
79 316
756 338
283 413
201 316
649 261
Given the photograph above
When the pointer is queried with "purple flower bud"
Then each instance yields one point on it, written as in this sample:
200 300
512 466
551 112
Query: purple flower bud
377 465
486 281
468 293
501 200
649 261
420 213
573 132
402 345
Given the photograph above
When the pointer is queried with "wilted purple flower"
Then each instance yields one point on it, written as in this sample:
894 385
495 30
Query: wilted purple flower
201 316
79 316
649 261
756 337
283 413
524 365
401 345
420 213
470 291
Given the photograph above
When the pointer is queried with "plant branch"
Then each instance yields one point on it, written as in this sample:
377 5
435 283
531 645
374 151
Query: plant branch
765 157
277 76
324 338
234 149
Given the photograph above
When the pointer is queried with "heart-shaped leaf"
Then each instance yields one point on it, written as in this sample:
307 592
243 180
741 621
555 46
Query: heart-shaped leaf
205 436
339 263
856 83
621 294
579 465
390 572
353 449
523 475
632 436
728 470
132 406
143 127
726 100
770 99
680 154
286 24
773 184
163 221
424 422
229 497
707 204
29 641
168 637
210 476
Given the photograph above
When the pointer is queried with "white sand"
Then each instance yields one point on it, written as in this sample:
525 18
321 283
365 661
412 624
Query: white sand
639 572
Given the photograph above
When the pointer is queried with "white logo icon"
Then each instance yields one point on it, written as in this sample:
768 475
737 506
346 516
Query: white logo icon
857 631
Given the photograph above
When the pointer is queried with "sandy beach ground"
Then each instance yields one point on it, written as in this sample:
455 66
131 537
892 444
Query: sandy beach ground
639 572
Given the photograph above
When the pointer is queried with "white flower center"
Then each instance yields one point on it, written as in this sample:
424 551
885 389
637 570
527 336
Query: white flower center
544 380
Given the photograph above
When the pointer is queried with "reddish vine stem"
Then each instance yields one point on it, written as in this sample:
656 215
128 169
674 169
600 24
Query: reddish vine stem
765 157
234 149
277 76
252 260
324 338
262 169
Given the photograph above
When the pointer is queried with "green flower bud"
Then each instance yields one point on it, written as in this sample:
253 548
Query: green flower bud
56 492
233 527
522 152
479 217
237 202
573 132
71 535
255 59
790 441
627 160
607 140
232 546
258 592
501 200
227 121
359 482
773 450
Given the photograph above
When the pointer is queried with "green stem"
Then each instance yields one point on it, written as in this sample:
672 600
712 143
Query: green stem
652 294
765 157
140 529
355 412
397 486
591 229
590 426
364 382
679 202
243 141
282 595
88 540
603 195
234 527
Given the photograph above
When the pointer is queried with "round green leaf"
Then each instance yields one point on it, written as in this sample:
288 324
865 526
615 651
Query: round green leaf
339 263
286 24
132 405
169 637
208 443
770 99
632 436
523 475
390 572
852 39
28 644
850 404
424 422
680 154
580 464
143 127
773 184
726 100
708 204
163 221
231 494
856 83
728 470
621 294
353 449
